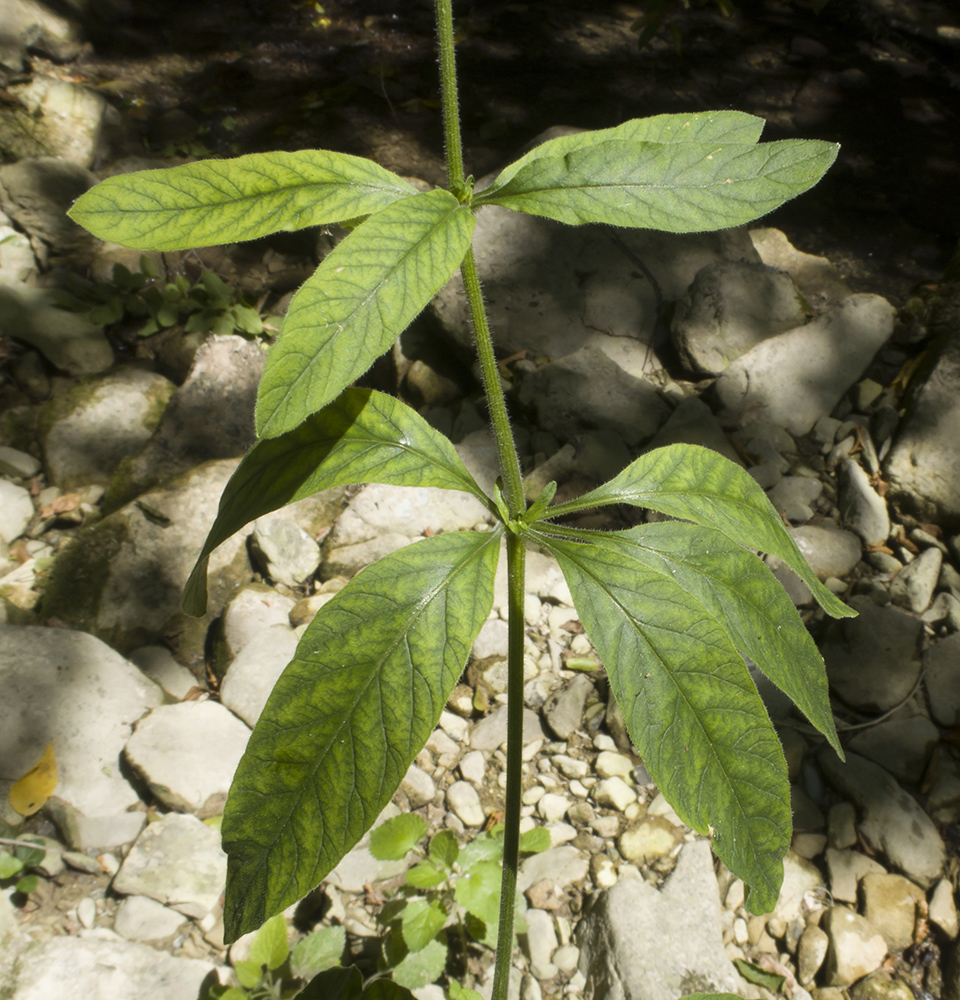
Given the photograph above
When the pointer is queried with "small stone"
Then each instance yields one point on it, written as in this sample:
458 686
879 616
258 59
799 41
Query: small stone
560 865
811 952
809 845
491 731
863 510
942 677
418 787
16 510
253 673
740 934
541 943
283 551
735 895
913 586
473 767
566 958
845 869
564 711
158 663
943 908
614 793
140 918
800 877
890 905
829 553
552 807
651 838
610 764
856 949
491 640
604 871
570 767
463 799
17 463
87 912
842 826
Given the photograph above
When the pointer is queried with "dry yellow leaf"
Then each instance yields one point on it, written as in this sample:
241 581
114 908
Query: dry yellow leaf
36 786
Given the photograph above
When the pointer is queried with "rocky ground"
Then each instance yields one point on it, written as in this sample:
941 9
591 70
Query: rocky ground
114 448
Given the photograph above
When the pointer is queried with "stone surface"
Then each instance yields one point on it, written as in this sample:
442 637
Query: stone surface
652 837
158 664
564 710
943 908
798 377
140 918
561 866
901 746
491 731
463 799
254 607
863 510
540 942
640 944
177 861
913 586
256 669
68 688
811 952
693 422
890 905
941 662
16 510
283 551
187 753
359 867
87 430
799 878
855 947
816 277
830 553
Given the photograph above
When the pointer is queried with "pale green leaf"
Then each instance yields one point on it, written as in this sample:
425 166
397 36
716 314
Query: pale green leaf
699 485
480 849
394 838
9 865
690 708
444 848
425 876
248 973
362 437
421 922
358 302
534 841
224 201
478 891
745 598
707 126
319 950
457 992
416 970
675 187
270 946
357 703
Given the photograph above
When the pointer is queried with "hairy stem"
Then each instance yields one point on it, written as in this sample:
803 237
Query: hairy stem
448 91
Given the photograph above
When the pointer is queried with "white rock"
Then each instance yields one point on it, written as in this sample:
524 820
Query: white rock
541 942
943 908
610 764
252 609
418 786
16 510
87 912
913 586
552 807
863 510
454 726
158 663
140 918
473 766
856 949
283 551
463 799
255 671
614 793
14 462
560 865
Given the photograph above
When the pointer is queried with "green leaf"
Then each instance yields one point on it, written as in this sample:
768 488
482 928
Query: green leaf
393 839
383 989
234 993
758 976
675 187
357 302
421 922
480 849
364 691
698 485
334 984
747 601
9 865
690 707
361 437
319 950
30 856
457 992
534 841
225 201
27 884
270 947
708 126
249 974
425 876
416 970
444 848
478 891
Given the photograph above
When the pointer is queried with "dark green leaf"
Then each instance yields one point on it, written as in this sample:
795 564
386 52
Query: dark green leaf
396 837
383 989
358 302
689 706
225 201
421 922
334 984
370 677
362 437
759 977
698 485
27 884
319 950
444 848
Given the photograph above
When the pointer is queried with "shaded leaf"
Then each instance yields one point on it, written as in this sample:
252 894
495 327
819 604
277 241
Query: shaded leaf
364 691
690 708
534 841
319 950
396 837
759 977
362 437
357 303
334 984
421 922
29 794
27 884
383 989
226 201
418 969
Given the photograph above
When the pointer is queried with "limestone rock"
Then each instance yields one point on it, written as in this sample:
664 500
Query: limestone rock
693 422
16 510
560 865
254 607
829 553
283 551
256 669
942 664
140 918
913 586
901 746
863 510
855 947
652 837
158 664
564 710
890 904
818 280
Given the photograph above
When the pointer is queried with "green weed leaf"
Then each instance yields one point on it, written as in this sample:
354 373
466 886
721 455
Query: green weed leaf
421 922
690 708
416 970
393 839
361 437
444 849
270 947
676 187
225 201
478 891
745 599
425 876
334 984
9 865
348 715
698 485
457 992
357 303
534 841
249 974
319 950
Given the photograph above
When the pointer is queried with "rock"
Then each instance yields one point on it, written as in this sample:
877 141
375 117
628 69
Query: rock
913 586
842 824
863 510
941 663
563 711
855 947
177 861
491 731
650 838
829 552
795 491
846 868
188 753
890 905
122 578
693 422
16 510
17 463
811 952
943 909
491 640
818 280
730 307
799 878
68 688
640 944
256 669
473 767
140 918
901 746
283 551
799 376
418 786
463 799
879 986
158 664
560 866
252 609
108 969
586 390
540 942
552 808
923 466
892 822
86 431
872 660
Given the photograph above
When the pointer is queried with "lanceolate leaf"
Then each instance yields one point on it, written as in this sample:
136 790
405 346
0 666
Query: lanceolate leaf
698 485
689 706
362 437
348 715
709 126
357 302
675 187
745 599
224 201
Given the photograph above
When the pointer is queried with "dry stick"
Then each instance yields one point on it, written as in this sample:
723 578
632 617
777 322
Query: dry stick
34 845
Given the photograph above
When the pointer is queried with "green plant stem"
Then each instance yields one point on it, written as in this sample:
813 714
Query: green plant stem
448 90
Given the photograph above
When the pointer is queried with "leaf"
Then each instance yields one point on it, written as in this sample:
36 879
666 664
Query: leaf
708 126
759 977
357 302
690 708
416 970
334 984
396 837
421 922
698 485
383 989
361 437
270 947
534 841
480 849
675 187
319 950
457 992
249 974
29 794
226 201
478 891
348 715
444 849
9 865
747 601
425 876
27 884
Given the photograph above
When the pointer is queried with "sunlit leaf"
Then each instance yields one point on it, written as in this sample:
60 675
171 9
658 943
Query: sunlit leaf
478 890
421 922
270 946
444 848
418 969
395 838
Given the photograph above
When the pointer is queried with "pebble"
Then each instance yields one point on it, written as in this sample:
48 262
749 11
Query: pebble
650 838
811 952
863 510
829 552
611 764
463 799
418 786
614 793
943 908
842 825
87 912
139 918
913 586
552 807
563 712
16 463
473 766
889 903
566 957
845 869
541 943
856 949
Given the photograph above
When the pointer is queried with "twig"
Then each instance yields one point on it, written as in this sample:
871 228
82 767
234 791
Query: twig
35 846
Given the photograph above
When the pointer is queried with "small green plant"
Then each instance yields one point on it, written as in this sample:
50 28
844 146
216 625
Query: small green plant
671 607
15 861
451 888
